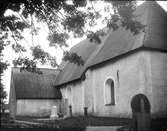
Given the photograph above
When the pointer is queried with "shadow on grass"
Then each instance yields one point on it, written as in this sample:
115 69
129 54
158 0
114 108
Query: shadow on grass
159 124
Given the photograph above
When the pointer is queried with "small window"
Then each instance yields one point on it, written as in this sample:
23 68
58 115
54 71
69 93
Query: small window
109 92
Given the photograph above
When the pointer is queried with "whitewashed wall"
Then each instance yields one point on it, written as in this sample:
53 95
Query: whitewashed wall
76 100
141 72
131 76
35 107
159 82
12 100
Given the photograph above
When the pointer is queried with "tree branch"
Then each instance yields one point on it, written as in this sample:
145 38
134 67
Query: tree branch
32 35
13 35
52 11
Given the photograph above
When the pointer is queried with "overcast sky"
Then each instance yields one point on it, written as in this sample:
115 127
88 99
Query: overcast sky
42 38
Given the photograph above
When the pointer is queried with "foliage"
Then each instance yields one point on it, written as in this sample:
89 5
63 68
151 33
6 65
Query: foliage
3 66
62 18
73 58
3 94
26 64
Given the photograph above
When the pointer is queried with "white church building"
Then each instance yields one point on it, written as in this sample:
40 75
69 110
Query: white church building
118 69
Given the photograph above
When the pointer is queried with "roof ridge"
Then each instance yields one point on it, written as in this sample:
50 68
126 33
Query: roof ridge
37 68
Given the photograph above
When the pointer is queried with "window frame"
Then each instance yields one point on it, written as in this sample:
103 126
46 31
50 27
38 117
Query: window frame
104 90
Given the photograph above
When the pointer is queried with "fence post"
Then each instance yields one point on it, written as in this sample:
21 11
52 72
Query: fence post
70 110
85 111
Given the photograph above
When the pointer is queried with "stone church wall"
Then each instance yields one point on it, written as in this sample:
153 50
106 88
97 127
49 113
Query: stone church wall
74 95
140 72
35 107
159 82
131 75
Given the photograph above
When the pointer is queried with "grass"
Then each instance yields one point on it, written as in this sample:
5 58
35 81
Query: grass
82 122
6 121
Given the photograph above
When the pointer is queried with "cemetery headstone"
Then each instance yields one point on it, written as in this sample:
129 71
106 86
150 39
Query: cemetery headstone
54 112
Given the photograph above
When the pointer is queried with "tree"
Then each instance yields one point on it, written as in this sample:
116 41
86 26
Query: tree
62 18
3 66
3 95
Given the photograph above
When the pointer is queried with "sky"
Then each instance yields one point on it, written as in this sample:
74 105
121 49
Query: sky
41 39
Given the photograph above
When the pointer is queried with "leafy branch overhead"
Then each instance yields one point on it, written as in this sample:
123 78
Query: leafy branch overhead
64 19
73 58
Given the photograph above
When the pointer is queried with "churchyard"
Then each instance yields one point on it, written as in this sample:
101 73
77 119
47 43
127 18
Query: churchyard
120 87
80 123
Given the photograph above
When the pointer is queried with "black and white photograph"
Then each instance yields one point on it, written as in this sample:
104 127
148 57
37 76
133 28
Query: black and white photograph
83 65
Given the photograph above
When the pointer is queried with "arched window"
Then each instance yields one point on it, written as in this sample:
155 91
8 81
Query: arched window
109 92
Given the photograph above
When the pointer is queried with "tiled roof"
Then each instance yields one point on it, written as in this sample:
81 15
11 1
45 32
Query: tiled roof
35 86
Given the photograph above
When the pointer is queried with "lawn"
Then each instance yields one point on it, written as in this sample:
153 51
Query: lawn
6 121
80 123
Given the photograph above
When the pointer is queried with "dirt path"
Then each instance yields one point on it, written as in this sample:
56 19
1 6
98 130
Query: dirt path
27 122
102 128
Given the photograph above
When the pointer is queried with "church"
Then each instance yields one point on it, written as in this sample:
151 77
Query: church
122 66
119 68
33 94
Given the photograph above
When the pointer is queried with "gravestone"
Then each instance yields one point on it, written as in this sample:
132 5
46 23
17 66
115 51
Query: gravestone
54 113
141 113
